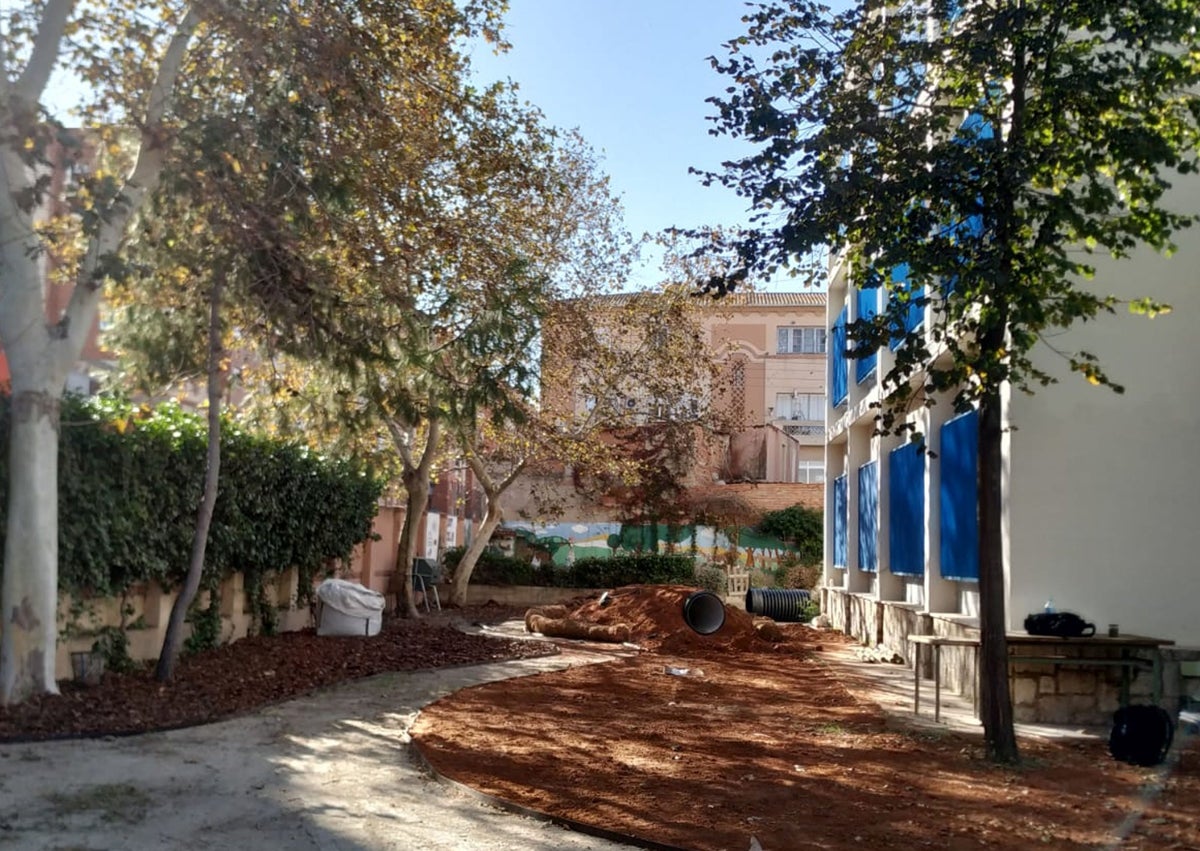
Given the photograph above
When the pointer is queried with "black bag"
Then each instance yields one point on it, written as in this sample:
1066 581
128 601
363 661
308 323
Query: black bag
1061 624
1141 735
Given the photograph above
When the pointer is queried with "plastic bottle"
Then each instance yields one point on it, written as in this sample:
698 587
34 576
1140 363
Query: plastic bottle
1049 607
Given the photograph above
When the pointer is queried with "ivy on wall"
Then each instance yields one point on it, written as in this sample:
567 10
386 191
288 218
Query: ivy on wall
130 479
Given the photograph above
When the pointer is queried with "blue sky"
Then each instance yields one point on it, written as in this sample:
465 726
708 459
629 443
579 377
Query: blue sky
632 75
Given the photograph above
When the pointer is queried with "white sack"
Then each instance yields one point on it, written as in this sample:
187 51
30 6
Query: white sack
350 598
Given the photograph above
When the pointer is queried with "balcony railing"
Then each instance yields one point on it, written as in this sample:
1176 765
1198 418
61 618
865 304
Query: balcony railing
801 429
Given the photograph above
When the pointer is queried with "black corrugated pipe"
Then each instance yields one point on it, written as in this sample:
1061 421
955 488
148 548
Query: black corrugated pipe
704 612
781 604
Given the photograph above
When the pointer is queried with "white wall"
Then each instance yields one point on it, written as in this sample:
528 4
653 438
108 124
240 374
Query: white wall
1105 488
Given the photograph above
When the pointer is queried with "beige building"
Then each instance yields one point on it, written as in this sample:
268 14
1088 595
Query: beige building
764 393
775 346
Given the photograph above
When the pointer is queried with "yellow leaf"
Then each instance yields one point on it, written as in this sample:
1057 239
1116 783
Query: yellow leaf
121 426
29 144
293 96
1093 380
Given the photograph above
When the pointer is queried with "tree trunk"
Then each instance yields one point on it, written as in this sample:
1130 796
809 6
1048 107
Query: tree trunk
416 500
416 487
462 573
995 701
30 589
40 355
173 638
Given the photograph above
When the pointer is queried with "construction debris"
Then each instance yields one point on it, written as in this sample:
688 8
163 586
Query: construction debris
879 653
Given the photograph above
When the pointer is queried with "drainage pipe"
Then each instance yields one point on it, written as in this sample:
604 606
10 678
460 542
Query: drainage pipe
704 612
781 604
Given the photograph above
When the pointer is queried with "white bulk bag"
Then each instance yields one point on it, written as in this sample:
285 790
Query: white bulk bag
348 608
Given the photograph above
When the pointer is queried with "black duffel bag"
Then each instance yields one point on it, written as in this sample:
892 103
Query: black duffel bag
1059 624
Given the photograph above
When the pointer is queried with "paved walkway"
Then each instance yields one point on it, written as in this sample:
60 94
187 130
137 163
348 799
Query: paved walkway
328 771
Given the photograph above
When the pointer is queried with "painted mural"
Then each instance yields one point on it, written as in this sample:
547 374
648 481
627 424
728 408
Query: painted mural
563 543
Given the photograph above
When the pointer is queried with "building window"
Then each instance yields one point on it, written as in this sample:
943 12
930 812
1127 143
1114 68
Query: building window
800 341
810 472
800 406
868 517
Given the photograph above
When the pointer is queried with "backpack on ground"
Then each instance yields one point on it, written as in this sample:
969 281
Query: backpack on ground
1141 735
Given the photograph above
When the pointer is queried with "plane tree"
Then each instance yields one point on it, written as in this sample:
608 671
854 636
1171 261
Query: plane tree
133 60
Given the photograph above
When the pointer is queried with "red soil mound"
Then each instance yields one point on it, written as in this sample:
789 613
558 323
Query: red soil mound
654 614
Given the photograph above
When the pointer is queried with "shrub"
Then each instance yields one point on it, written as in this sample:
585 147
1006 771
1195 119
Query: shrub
713 579
803 528
648 568
130 479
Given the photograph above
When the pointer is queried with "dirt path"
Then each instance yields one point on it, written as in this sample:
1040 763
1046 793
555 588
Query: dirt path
328 771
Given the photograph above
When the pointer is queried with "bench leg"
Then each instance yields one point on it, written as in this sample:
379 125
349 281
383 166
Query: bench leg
917 682
937 683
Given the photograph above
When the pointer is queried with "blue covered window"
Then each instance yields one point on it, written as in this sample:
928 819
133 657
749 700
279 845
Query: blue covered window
906 504
914 315
838 384
840 520
959 497
866 305
974 129
868 517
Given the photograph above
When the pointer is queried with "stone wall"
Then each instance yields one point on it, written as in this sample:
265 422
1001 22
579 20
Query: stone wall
147 609
1042 692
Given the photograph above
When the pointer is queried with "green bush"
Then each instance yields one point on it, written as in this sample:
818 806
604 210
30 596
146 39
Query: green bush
641 568
713 579
803 528
130 480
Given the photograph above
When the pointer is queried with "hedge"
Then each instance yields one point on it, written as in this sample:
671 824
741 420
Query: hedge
130 480
644 568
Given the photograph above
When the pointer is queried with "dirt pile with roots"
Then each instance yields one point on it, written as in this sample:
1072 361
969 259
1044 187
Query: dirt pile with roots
651 616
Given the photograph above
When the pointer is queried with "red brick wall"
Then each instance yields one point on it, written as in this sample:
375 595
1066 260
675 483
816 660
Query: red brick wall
762 497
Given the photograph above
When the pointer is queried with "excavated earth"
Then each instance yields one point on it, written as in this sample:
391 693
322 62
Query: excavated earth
709 742
696 742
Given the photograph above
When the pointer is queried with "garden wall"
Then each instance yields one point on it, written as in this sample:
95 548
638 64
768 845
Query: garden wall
525 595
148 608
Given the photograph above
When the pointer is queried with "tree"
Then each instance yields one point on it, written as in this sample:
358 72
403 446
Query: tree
134 57
465 236
255 230
991 150
41 350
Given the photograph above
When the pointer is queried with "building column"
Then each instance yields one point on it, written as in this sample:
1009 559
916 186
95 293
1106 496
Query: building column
941 595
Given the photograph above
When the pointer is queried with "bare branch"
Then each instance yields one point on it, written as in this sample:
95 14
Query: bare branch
85 298
46 47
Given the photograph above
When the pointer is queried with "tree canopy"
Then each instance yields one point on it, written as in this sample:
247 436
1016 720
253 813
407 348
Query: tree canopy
969 163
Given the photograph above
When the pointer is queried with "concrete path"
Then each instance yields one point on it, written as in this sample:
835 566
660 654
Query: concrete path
329 771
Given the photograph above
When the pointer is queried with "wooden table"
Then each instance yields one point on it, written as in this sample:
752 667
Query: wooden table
937 642
1043 652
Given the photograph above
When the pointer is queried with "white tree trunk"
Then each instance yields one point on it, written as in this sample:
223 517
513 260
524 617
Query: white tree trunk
30 594
462 573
